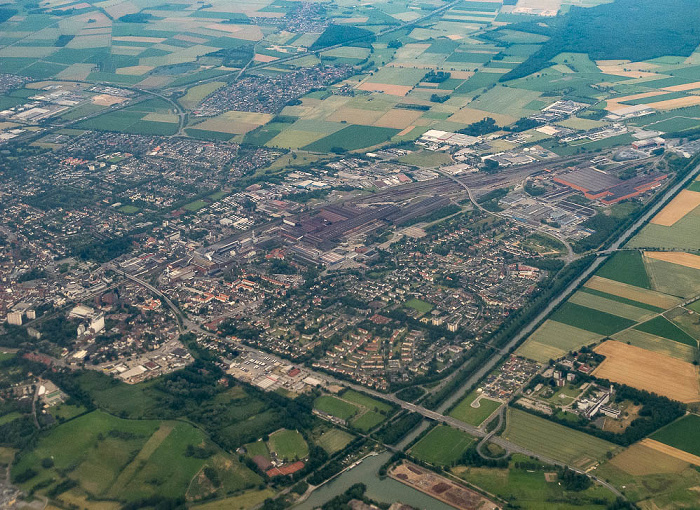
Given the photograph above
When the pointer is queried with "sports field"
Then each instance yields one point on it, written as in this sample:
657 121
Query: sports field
649 371
334 440
365 401
335 407
474 415
442 446
288 445
555 441
419 305
368 421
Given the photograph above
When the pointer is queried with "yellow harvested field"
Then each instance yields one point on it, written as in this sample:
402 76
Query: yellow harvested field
107 100
405 131
675 257
387 88
263 58
627 68
672 104
641 459
135 38
648 371
670 450
398 119
650 297
235 122
134 70
684 87
455 37
355 116
684 202
246 32
615 104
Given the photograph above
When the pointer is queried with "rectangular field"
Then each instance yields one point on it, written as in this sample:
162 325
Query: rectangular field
352 138
474 415
657 344
649 371
555 441
626 267
442 446
660 326
366 401
681 205
554 339
675 257
335 407
603 304
681 434
334 440
623 290
588 319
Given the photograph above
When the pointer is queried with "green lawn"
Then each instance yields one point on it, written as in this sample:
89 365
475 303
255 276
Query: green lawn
368 421
334 440
258 448
474 415
442 446
596 321
195 206
419 306
366 401
660 326
681 434
335 407
288 445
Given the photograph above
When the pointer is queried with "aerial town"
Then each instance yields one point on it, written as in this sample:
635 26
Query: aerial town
404 255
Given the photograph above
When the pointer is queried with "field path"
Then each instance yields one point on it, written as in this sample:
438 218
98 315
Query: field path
135 465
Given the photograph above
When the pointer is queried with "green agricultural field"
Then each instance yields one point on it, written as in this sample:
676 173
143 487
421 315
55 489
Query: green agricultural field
366 401
604 305
673 279
682 235
474 415
368 421
554 339
660 326
681 434
288 445
334 440
591 320
442 446
626 267
555 441
530 488
419 306
657 344
352 138
244 501
198 92
335 407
